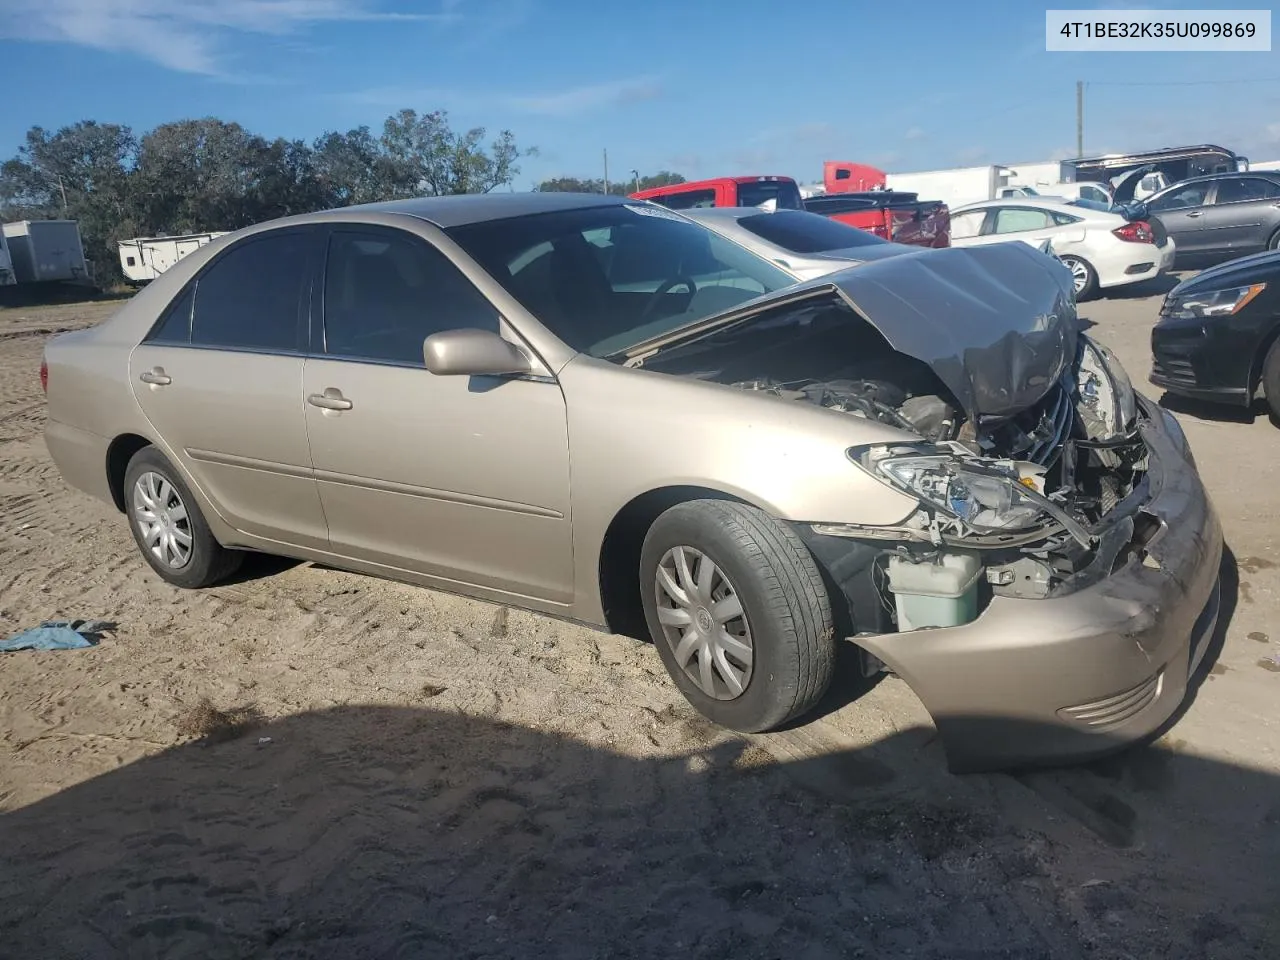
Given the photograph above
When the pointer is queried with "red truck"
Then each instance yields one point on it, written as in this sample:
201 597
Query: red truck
856 195
893 216
726 192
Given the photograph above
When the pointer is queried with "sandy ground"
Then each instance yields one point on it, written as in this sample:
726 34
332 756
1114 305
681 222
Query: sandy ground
419 775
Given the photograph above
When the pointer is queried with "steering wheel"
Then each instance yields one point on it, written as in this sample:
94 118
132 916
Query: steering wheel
666 287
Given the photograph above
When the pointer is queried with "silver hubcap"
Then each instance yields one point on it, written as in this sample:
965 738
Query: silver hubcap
703 622
1079 273
162 520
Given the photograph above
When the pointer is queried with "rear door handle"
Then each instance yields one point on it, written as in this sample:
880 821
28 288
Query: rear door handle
156 377
331 399
1196 213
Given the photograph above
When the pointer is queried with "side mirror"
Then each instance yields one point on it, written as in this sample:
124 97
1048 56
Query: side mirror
475 353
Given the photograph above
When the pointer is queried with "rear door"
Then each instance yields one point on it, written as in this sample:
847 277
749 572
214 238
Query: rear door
1242 216
220 380
1182 210
1034 225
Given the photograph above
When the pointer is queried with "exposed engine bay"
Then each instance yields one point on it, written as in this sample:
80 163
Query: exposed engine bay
1034 504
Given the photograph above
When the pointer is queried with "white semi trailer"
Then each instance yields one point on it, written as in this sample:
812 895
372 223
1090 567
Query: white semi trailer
46 251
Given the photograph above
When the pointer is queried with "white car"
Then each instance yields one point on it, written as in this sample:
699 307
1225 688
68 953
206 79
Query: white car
1102 249
806 245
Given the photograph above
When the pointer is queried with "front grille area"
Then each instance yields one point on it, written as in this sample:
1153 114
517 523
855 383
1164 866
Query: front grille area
1115 709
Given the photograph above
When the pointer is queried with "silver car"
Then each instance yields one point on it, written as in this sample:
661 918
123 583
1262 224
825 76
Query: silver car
598 409
804 244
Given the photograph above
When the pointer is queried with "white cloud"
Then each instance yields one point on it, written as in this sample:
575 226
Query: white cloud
971 154
914 133
572 102
185 35
588 99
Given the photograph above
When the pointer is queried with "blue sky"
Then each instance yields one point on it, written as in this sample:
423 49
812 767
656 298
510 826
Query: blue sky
706 88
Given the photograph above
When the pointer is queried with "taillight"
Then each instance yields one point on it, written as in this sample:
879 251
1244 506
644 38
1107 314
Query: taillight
1139 231
44 376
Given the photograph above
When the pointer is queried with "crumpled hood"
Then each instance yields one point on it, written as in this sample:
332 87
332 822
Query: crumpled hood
997 323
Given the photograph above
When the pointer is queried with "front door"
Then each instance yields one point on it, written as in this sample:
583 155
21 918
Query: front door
464 479
220 380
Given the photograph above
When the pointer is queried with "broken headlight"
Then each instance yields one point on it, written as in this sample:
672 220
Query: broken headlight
985 495
1104 390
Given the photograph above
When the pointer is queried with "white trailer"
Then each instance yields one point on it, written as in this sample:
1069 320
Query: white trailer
46 251
958 186
145 258
7 277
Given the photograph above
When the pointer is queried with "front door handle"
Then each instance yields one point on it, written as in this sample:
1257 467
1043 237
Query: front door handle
1196 213
331 399
156 377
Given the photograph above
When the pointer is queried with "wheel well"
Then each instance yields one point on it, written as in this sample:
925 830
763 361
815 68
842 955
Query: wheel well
620 554
119 454
1260 358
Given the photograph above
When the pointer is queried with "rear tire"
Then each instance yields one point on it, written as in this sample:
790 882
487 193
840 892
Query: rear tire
1271 380
762 595
168 527
1084 276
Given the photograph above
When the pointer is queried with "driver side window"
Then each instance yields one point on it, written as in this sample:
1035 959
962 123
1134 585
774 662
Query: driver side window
385 291
1192 195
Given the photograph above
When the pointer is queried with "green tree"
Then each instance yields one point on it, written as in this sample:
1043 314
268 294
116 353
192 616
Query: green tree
82 173
617 188
424 156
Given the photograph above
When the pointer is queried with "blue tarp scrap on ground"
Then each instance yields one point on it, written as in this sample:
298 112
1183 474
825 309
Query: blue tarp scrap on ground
58 635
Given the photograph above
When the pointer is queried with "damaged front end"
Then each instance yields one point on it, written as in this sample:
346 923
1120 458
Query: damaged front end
1044 502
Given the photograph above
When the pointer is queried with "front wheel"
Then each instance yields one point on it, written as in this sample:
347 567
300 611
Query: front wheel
738 611
1083 277
169 528
1271 380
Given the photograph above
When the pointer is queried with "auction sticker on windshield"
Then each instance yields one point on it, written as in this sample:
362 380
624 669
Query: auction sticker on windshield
1128 31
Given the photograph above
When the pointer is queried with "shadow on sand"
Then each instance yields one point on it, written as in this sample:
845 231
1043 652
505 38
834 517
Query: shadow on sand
405 832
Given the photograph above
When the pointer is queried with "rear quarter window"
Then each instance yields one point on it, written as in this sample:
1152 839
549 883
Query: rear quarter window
174 325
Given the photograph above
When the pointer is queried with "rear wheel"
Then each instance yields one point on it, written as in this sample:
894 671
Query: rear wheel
169 528
1274 242
1271 380
738 611
1084 278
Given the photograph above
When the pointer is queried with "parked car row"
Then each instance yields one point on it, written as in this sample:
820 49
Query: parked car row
745 435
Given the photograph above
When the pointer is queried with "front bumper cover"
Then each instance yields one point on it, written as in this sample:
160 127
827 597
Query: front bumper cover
1035 681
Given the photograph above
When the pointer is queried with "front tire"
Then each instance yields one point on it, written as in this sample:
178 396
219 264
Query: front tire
738 611
1083 277
1271 380
168 527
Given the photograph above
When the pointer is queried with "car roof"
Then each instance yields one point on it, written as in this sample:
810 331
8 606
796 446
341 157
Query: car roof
1043 202
460 209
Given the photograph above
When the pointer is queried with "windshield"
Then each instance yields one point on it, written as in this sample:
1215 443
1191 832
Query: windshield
785 192
802 232
1089 204
605 278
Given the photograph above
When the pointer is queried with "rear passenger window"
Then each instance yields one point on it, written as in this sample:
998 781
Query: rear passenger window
251 297
385 292
175 325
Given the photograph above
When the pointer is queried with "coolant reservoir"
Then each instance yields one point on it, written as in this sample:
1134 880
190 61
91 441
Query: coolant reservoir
938 593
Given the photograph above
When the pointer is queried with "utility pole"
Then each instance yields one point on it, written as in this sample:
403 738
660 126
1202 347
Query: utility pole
606 171
1079 119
